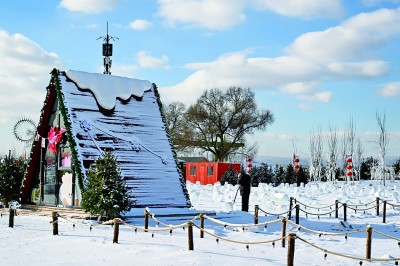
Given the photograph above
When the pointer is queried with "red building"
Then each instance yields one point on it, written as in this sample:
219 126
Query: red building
208 172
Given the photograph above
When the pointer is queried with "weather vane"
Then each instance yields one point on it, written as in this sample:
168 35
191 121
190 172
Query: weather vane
107 52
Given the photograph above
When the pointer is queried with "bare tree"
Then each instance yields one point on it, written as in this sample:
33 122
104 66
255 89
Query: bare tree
316 152
332 154
383 142
219 122
349 135
175 120
358 158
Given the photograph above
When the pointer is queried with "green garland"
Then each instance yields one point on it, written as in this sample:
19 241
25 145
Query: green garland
34 143
182 181
67 123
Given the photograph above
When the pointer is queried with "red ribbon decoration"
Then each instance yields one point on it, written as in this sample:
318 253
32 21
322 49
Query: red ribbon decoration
54 136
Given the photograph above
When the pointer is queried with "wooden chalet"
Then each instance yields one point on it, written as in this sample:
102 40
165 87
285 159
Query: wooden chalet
83 115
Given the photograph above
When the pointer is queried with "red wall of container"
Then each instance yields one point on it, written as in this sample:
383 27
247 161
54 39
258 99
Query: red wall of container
208 172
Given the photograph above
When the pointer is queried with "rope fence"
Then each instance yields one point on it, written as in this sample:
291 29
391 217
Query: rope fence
338 205
291 237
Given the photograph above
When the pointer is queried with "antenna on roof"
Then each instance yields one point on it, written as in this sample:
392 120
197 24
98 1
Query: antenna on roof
107 52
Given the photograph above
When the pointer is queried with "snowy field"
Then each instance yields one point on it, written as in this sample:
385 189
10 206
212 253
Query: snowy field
31 241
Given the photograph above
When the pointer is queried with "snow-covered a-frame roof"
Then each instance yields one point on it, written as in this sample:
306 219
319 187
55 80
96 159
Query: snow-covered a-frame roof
123 115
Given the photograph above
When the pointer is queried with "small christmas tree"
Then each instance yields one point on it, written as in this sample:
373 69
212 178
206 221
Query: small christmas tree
12 172
230 176
105 189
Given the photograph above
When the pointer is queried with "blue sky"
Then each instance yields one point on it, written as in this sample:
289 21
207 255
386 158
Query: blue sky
314 63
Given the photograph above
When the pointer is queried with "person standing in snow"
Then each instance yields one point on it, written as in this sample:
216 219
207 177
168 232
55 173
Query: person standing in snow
245 185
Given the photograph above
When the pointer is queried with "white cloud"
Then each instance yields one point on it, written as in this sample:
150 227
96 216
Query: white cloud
281 137
24 76
356 38
145 60
390 89
295 76
370 3
124 70
358 69
299 87
89 6
211 14
343 52
303 8
324 96
24 73
140 24
224 14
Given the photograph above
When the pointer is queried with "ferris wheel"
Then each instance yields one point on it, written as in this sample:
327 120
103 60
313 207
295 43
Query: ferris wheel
25 130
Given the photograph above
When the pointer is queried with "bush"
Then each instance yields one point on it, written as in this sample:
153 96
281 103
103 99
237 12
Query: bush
12 172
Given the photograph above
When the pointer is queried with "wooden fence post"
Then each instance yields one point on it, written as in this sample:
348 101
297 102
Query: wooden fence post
345 212
202 225
190 235
290 208
337 209
54 215
384 212
291 246
11 218
283 231
256 214
297 213
146 220
377 206
116 230
369 240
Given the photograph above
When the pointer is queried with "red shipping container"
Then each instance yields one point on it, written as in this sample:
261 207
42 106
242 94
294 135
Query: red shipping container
208 172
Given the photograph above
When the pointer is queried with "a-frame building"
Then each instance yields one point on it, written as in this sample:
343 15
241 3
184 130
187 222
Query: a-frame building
84 114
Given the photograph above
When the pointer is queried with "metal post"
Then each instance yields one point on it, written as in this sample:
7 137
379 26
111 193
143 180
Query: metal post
345 212
290 208
297 213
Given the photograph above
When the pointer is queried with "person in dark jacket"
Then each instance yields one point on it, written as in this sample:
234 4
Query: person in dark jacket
245 185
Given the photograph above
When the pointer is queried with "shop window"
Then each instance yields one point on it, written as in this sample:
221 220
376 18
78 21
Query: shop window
193 170
210 170
64 159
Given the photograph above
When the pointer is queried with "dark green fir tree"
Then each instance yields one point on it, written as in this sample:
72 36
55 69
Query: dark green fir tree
105 189
290 176
12 172
230 176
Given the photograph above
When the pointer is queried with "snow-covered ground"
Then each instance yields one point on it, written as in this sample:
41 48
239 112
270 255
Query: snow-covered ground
31 241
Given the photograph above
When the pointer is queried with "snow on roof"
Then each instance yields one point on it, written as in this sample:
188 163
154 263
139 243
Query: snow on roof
107 88
134 131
